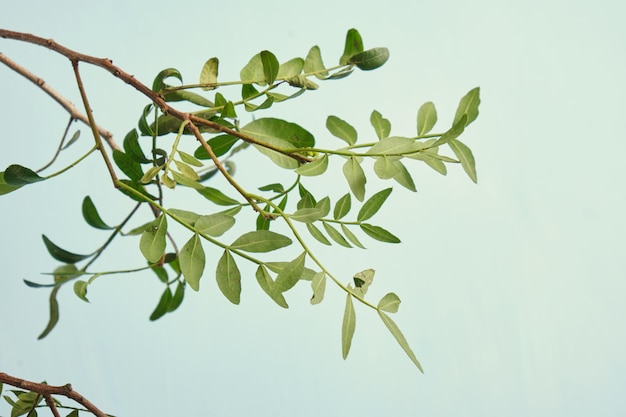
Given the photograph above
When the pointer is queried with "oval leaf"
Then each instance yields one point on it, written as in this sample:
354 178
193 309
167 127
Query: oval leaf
466 157
152 243
208 75
342 207
313 63
341 129
290 274
229 278
270 66
17 175
468 106
426 118
267 284
311 169
215 224
192 261
356 177
353 46
370 59
373 204
390 303
260 241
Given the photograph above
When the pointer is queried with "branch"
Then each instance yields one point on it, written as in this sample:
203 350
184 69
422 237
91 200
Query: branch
155 97
47 390
56 96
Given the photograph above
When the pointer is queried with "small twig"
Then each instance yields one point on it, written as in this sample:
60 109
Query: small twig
56 96
51 405
47 390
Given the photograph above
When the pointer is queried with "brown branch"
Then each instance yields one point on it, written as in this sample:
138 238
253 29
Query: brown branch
107 65
48 390
56 96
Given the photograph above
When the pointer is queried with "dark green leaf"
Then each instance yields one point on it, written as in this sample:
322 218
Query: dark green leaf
159 81
262 222
260 241
270 66
397 334
177 298
318 285
17 175
335 235
217 197
373 204
267 284
161 273
61 254
353 46
466 157
341 129
91 216
342 207
229 278
403 177
290 274
390 303
152 243
317 234
192 261
313 63
162 307
54 313
143 124
378 233
6 188
270 129
370 59
324 205
468 106
348 326
381 125
219 145
356 177
306 198
132 147
426 118
137 187
184 95
128 165
208 75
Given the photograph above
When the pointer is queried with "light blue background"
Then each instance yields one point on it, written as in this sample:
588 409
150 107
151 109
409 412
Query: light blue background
513 289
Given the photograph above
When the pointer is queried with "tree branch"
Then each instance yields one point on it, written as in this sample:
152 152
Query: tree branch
48 390
56 96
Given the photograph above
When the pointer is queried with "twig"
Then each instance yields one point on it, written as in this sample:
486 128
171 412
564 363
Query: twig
56 96
47 390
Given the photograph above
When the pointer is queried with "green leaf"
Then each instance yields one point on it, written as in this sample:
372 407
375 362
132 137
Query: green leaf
307 200
290 274
381 125
217 197
54 313
318 285
128 165
395 331
184 95
390 303
291 68
192 261
152 243
6 188
133 148
313 63
260 241
61 254
335 235
466 157
342 207
351 237
161 273
378 233
353 46
341 129
307 215
362 281
270 66
80 289
468 106
373 204
356 177
177 298
386 167
403 177
253 71
187 216
229 278
453 133
317 234
219 145
208 75
395 145
189 159
17 175
348 326
91 216
74 138
275 187
317 167
370 59
159 81
215 224
267 285
162 306
187 171
150 174
324 205
426 118
303 82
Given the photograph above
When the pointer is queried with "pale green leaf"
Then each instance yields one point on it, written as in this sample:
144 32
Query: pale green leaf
453 133
192 261
381 126
189 159
403 177
184 215
351 237
356 177
228 277
187 171
386 167
290 274
373 204
466 157
260 241
468 106
217 197
335 235
397 334
317 234
394 145
426 118
152 243
80 289
253 71
313 63
270 66
318 285
348 326
390 303
307 215
341 129
267 285
342 207
208 75
317 167
353 46
324 205
290 69
214 224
